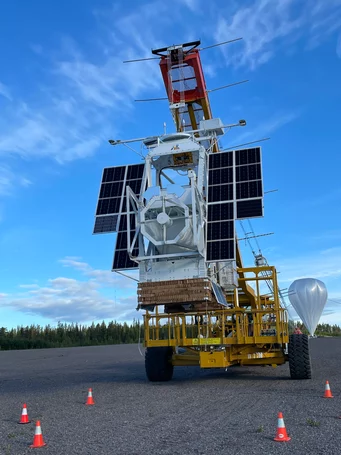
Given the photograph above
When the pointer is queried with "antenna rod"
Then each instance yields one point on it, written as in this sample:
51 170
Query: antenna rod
208 91
219 44
195 43
226 86
140 59
254 236
152 99
247 143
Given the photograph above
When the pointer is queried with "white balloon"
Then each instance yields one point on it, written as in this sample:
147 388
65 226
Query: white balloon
308 296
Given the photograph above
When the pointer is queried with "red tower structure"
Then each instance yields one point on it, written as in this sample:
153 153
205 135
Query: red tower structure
185 84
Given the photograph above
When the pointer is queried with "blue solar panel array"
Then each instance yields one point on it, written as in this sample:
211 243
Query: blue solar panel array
111 211
235 191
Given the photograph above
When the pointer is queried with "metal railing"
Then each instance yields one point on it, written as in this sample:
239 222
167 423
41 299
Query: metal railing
262 321
219 327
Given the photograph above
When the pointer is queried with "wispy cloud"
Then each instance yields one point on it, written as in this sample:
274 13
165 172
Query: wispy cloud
192 5
275 122
332 234
269 27
36 48
338 47
9 181
103 277
87 93
323 264
28 286
331 196
71 300
4 91
111 84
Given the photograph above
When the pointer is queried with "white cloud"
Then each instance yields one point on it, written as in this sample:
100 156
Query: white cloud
4 91
9 181
28 286
323 264
37 48
332 196
101 294
112 84
46 132
338 47
269 27
192 5
209 70
103 277
259 131
332 234
86 95
71 300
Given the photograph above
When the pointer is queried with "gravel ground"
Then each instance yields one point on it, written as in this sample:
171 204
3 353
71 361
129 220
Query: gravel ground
198 412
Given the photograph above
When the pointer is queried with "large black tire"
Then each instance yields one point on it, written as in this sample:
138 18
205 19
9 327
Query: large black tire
299 357
158 364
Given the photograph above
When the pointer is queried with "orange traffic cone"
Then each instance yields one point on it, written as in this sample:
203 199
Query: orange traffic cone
281 434
24 416
327 391
38 440
90 400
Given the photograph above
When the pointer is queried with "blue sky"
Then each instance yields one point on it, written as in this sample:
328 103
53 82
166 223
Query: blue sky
64 92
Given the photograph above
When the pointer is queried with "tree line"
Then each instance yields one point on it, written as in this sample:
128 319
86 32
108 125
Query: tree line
321 329
70 335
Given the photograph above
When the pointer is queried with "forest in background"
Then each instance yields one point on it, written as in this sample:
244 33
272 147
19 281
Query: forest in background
70 335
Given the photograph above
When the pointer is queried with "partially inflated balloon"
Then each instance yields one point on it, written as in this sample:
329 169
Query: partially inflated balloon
308 296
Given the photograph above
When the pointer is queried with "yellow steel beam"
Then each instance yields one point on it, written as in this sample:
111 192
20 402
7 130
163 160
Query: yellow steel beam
186 360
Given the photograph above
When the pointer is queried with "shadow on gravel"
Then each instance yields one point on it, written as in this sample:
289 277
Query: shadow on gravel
125 372
231 374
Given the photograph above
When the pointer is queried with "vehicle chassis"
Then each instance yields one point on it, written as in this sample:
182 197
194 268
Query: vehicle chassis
252 330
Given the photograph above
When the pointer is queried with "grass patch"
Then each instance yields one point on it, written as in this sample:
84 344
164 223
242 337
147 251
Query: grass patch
313 423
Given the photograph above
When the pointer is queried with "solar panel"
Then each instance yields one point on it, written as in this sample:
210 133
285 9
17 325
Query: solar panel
219 294
220 232
122 260
220 250
248 172
219 176
220 212
247 156
114 174
123 222
135 171
113 189
249 183
248 190
235 191
222 159
112 195
249 209
105 224
220 193
109 205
